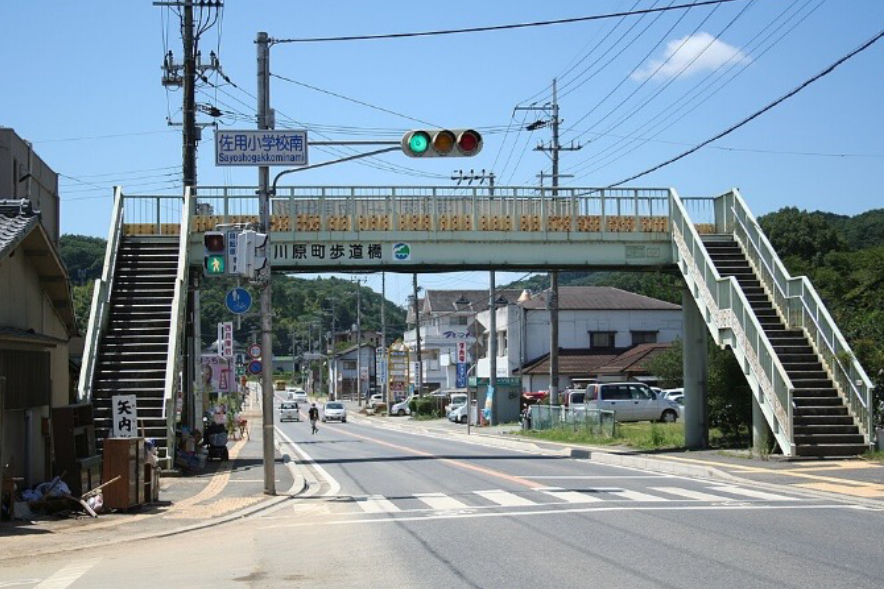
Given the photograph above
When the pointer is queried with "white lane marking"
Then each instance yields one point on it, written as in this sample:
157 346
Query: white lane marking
593 476
753 493
504 498
440 501
696 495
67 575
376 504
568 496
334 486
637 496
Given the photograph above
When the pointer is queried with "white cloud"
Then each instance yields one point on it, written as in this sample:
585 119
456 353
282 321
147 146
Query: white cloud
693 54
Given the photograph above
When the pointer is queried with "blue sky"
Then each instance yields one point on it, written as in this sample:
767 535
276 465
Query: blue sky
83 83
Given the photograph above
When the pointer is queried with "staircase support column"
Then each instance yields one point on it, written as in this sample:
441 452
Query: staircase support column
762 435
696 375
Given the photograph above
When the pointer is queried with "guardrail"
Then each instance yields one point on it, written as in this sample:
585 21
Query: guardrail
101 294
434 208
729 309
176 326
802 307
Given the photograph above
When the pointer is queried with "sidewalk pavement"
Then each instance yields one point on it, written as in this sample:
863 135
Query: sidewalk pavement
222 492
856 479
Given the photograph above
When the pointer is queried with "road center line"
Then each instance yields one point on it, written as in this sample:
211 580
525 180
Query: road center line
451 461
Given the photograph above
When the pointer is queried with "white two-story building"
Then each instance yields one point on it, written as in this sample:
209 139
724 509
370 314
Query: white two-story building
596 325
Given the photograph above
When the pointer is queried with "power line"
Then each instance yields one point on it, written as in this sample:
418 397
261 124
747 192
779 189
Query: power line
114 136
486 29
684 106
353 100
757 113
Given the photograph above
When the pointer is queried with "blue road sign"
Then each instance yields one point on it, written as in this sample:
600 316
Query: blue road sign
238 301
461 375
255 367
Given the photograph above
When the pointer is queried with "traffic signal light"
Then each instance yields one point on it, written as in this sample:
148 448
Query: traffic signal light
251 256
442 143
215 256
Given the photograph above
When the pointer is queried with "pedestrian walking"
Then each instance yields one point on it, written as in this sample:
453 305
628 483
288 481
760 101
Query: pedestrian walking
313 414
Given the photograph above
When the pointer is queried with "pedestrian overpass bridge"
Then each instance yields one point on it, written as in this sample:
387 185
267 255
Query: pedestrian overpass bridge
810 393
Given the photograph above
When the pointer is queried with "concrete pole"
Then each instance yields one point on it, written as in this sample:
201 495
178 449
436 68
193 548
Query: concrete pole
189 127
263 43
384 388
198 385
492 347
359 342
553 303
696 375
419 375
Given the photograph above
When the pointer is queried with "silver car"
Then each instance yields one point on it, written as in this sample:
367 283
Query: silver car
289 412
334 411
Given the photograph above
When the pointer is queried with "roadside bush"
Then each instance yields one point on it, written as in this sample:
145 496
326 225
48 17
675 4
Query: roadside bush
427 406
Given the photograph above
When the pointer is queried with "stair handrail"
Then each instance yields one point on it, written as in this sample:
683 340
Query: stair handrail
799 292
100 311
179 304
776 386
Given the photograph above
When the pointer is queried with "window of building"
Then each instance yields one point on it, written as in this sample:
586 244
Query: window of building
459 320
644 337
349 364
502 344
601 339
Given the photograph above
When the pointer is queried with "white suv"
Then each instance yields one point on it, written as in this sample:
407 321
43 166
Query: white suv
631 401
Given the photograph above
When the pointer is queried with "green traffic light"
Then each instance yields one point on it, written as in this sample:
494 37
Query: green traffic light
214 265
419 142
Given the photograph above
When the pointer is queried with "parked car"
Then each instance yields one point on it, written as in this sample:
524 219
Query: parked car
458 414
668 393
402 407
374 400
295 394
289 412
679 398
334 411
457 399
631 401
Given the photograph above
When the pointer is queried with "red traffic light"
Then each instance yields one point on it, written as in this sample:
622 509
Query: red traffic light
469 141
214 242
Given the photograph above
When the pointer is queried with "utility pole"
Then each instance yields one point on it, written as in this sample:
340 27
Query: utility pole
492 348
384 386
552 150
189 128
460 177
419 373
294 349
359 340
263 42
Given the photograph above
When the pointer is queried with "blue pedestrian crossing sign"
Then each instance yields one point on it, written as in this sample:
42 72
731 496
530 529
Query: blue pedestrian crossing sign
238 301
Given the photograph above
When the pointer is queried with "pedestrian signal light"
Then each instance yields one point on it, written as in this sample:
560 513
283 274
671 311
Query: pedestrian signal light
442 143
214 258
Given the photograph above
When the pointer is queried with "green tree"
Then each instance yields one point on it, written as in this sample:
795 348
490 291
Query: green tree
83 255
797 233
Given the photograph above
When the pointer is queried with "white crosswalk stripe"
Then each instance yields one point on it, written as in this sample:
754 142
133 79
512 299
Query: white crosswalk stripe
637 496
569 496
440 501
376 504
695 495
505 498
68 575
753 493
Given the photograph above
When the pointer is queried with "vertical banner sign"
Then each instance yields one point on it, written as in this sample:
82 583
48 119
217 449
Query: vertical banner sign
218 374
397 369
461 365
125 412
225 339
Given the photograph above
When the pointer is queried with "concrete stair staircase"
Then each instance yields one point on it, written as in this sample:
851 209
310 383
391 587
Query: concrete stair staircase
132 353
822 424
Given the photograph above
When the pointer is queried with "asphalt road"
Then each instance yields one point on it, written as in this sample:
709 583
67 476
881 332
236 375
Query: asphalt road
393 509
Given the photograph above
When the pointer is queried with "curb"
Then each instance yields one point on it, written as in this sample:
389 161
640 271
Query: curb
298 487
